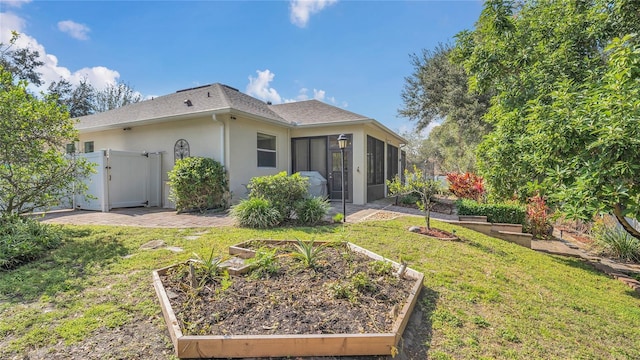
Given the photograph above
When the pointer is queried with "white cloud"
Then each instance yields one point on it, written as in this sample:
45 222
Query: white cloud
15 3
259 87
301 10
98 76
76 30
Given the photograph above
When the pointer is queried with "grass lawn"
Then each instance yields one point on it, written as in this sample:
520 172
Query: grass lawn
484 298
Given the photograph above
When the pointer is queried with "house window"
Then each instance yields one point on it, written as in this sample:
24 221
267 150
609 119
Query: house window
375 161
71 148
88 146
266 150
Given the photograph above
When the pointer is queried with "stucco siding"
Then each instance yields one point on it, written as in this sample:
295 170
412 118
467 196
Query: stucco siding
243 153
202 134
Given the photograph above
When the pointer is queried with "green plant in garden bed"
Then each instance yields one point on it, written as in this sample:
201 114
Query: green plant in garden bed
478 295
307 253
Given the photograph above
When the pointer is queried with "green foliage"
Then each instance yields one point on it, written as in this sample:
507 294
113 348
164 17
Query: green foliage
198 183
23 239
437 91
495 212
307 253
416 183
312 210
362 283
35 172
208 267
337 218
566 110
281 190
409 199
343 291
256 212
613 241
381 267
280 198
265 262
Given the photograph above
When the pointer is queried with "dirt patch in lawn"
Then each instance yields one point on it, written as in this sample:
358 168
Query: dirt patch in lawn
345 292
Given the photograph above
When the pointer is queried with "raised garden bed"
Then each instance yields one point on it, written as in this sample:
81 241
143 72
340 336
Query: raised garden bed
351 303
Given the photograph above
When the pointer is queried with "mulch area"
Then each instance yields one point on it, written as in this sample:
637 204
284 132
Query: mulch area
346 293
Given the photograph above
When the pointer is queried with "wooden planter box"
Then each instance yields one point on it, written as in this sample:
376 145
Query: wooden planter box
238 346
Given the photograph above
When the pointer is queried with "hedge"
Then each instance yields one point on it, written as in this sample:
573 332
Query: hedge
495 213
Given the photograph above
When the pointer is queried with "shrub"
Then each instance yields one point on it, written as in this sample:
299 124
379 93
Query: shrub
23 240
614 241
311 210
281 190
256 213
466 186
198 183
495 213
538 217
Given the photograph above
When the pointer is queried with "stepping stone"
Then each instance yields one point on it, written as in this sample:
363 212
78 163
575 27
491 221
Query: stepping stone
153 244
174 249
192 237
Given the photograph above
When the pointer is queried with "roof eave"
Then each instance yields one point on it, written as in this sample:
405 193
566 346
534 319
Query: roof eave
355 122
152 121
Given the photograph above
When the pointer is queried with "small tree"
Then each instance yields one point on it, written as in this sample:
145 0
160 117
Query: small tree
35 172
417 183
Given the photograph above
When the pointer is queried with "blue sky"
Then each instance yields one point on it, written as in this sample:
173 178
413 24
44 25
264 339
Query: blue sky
351 54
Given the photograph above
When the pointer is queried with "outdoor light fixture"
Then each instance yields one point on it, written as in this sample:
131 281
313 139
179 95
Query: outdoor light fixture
342 144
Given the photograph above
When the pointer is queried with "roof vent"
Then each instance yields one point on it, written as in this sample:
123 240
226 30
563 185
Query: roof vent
188 102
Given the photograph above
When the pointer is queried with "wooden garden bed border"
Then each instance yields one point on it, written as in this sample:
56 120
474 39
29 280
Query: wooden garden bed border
238 346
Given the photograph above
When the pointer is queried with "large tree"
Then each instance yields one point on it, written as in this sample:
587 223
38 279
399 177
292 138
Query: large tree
437 91
23 63
115 96
547 62
34 170
79 101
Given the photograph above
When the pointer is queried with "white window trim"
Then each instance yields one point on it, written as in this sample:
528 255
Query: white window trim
267 150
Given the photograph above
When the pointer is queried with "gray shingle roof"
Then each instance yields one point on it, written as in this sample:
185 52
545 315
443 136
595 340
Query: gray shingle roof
203 99
215 97
314 112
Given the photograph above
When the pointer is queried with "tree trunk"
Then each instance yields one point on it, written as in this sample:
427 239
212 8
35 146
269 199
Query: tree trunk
617 211
428 218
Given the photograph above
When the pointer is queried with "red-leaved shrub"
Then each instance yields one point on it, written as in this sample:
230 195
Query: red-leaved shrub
538 217
466 186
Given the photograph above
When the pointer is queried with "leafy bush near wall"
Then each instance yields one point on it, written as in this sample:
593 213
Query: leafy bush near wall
282 191
198 183
23 239
277 199
495 213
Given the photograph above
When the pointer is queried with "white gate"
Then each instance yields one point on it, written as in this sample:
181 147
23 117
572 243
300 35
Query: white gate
122 179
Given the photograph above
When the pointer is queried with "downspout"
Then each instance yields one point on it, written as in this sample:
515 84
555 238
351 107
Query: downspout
222 138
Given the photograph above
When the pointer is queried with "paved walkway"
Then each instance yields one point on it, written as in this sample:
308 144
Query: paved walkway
167 218
378 210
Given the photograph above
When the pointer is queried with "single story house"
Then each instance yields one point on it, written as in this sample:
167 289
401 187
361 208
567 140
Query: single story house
140 143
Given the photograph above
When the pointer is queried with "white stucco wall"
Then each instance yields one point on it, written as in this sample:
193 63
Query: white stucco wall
243 151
